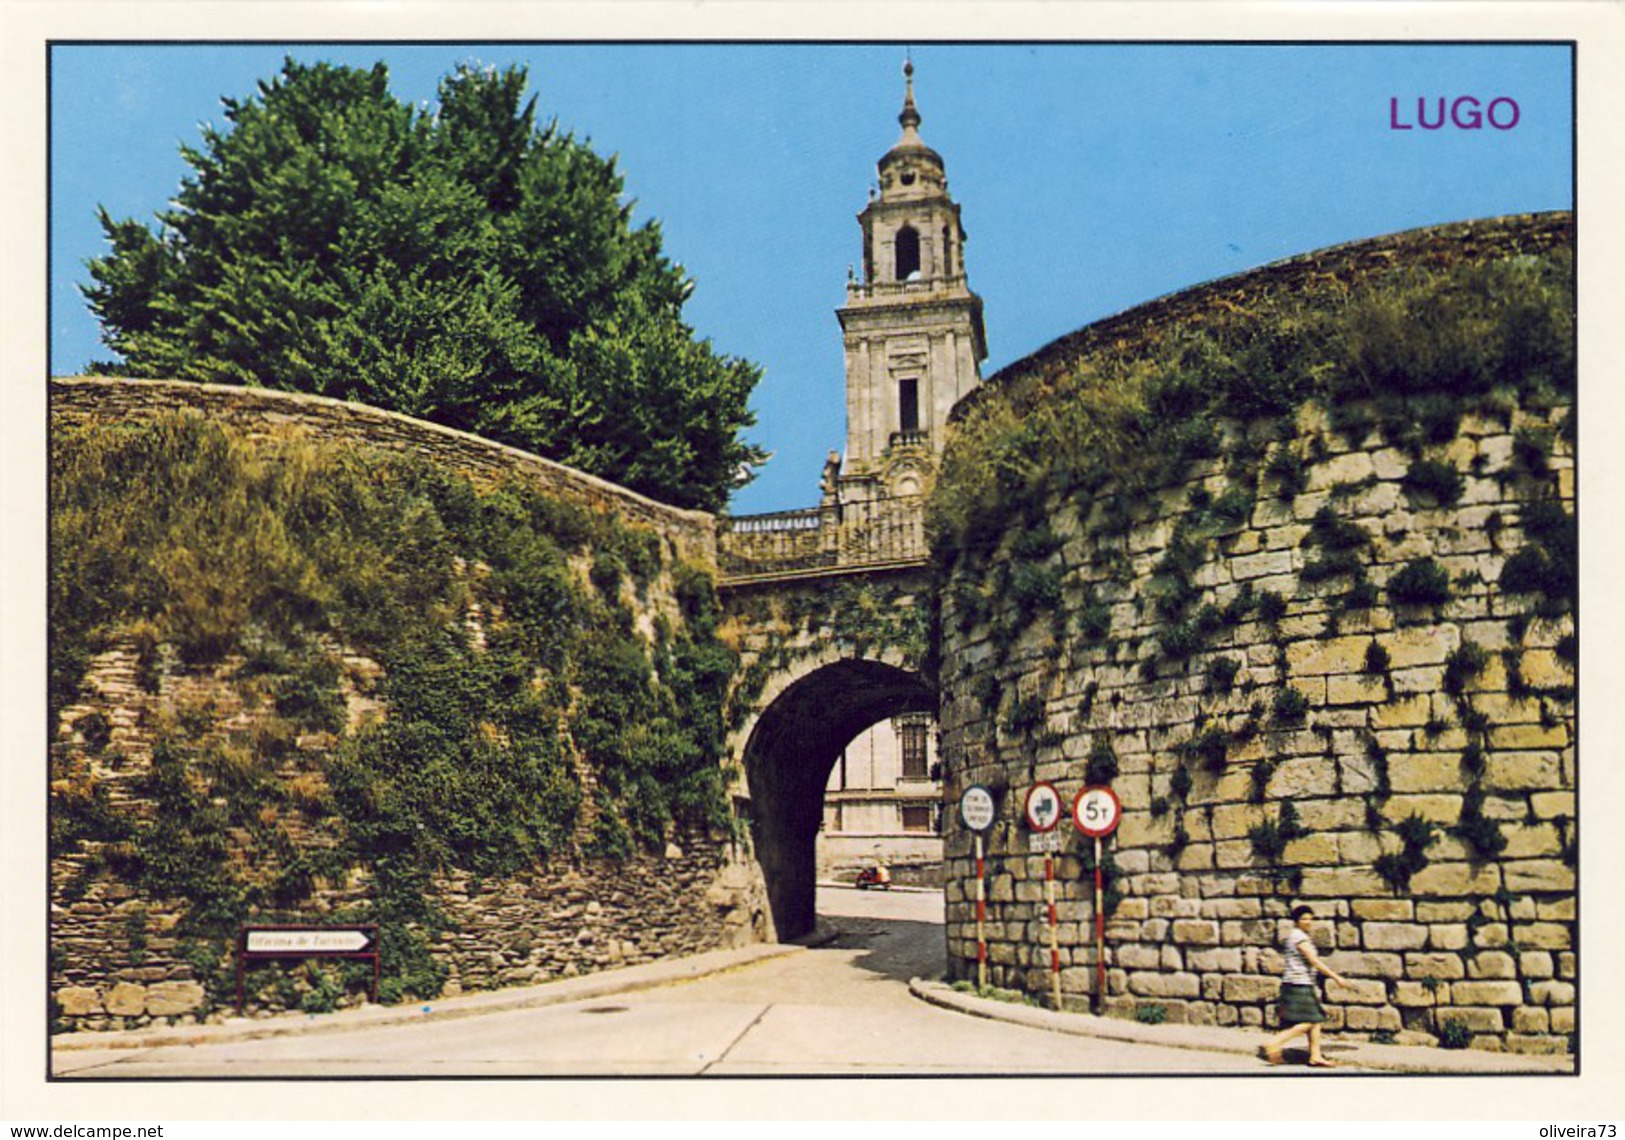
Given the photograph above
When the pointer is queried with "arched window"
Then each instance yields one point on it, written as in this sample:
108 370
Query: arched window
908 252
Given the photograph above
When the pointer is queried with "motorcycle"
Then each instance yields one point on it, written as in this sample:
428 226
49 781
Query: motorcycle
877 876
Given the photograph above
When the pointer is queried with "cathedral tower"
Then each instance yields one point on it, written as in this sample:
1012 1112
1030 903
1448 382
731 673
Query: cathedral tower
913 329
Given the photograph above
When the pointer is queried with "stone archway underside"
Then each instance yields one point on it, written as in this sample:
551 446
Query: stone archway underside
788 760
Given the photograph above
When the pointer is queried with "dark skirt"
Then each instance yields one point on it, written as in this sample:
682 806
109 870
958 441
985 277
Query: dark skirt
1300 1006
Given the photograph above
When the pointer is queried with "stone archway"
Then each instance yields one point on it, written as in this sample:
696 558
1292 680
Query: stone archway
788 758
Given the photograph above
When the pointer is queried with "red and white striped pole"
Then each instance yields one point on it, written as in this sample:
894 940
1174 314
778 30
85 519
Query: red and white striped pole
1100 936
1054 944
981 919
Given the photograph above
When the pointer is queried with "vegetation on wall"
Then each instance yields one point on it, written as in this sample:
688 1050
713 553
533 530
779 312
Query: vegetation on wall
1472 334
511 669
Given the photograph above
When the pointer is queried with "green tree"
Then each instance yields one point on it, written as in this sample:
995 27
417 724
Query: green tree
462 264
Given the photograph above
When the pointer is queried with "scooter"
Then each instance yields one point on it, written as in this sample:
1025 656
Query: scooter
877 876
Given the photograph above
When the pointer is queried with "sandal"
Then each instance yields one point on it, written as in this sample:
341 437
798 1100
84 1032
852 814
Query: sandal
1323 1063
1272 1056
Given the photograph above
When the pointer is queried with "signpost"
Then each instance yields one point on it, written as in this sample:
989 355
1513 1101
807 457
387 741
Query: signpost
1095 813
264 943
977 808
1043 813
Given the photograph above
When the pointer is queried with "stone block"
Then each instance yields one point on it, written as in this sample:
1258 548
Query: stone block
1394 936
1536 964
1241 988
1445 967
1436 808
1522 771
1232 908
1525 841
1415 995
78 1001
1479 1019
1551 993
1491 964
1137 957
1528 737
1550 805
1249 567
1542 936
1420 645
1219 960
1538 875
171 999
1562 1018
1487 993
1311 850
1196 932
1447 936
1426 772
1355 689
1323 656
127 1000
1354 964
1529 1020
1543 669
1385 910
1147 984
1456 879
1359 991
1342 882
1405 712
1308 776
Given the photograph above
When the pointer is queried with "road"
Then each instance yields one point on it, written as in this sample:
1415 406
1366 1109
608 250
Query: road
841 1010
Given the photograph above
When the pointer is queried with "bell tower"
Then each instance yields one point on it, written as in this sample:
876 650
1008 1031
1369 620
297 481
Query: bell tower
912 327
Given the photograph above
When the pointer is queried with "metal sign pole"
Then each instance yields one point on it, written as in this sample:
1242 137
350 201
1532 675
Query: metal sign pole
1100 937
1054 944
981 918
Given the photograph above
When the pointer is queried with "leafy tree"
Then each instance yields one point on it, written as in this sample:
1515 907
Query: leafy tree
462 264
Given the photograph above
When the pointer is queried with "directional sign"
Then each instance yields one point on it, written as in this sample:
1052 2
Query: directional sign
1043 807
1096 811
296 942
976 808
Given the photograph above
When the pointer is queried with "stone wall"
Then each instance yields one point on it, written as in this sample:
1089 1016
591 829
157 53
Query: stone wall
117 957
1241 800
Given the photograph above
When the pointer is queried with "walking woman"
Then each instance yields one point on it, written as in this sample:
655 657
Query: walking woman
1299 1005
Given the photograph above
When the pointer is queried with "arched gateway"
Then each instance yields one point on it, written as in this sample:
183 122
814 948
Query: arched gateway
829 604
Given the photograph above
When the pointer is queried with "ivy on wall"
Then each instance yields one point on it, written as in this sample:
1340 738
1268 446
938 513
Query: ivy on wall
511 661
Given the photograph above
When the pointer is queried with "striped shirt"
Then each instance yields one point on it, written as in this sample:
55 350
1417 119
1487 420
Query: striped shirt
1297 971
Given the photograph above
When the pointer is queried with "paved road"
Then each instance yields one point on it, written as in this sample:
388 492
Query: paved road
843 1009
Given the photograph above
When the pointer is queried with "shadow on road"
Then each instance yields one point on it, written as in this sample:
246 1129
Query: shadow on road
893 948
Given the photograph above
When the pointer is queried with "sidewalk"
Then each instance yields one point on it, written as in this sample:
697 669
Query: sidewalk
1361 1055
1216 1039
585 988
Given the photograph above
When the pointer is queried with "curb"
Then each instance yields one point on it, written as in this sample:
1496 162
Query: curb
603 984
1215 1039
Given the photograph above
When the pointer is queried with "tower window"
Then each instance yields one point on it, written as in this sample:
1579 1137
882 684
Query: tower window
908 404
908 252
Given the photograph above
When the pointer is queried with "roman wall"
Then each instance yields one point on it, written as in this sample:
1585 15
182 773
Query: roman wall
119 958
1405 766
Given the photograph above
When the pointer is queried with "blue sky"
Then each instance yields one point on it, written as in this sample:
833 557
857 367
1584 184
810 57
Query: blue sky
1092 176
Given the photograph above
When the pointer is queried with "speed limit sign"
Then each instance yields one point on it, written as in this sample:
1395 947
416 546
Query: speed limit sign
1096 811
1043 807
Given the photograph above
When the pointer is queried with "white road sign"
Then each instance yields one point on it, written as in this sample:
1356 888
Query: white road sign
1046 842
976 808
1043 807
336 941
1096 811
